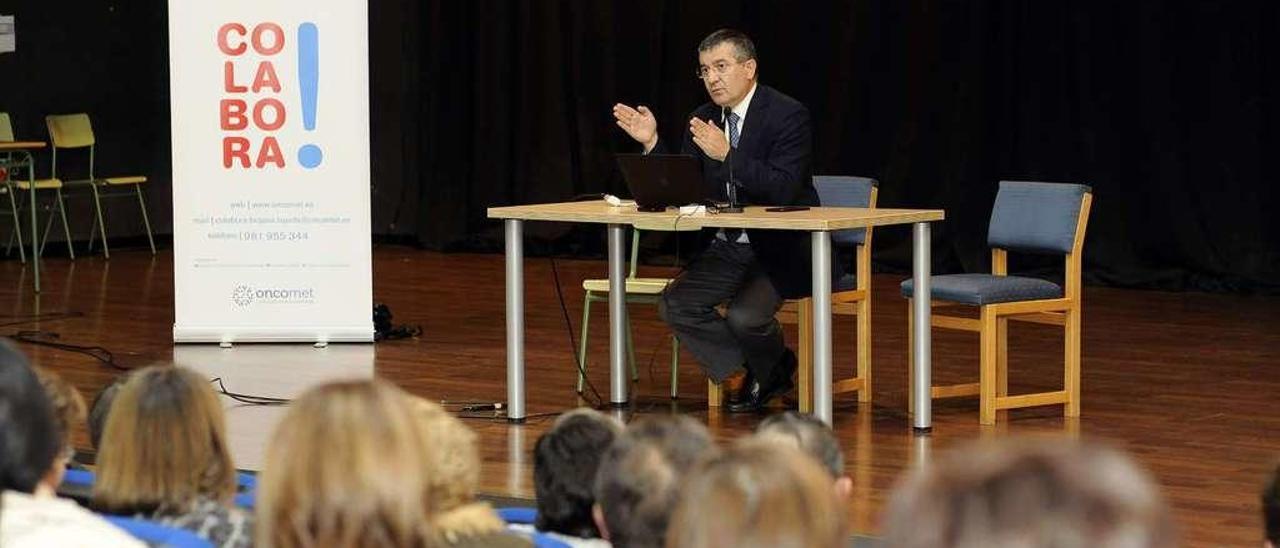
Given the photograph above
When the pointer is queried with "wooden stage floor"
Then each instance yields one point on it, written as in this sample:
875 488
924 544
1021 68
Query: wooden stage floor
1187 383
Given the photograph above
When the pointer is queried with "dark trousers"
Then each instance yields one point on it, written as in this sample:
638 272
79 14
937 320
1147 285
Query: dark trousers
748 335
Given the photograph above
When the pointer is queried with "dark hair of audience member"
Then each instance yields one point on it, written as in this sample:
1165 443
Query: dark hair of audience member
164 446
758 494
101 408
640 477
29 440
1271 508
346 467
1048 493
565 461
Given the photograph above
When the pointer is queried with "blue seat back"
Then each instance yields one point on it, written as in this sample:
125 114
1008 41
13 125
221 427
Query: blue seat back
845 191
518 515
156 534
1035 217
246 483
77 477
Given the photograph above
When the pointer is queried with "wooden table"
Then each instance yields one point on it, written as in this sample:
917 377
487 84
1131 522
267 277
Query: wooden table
819 221
24 148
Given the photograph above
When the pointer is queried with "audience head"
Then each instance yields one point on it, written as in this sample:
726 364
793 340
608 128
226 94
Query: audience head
164 446
1271 509
812 437
68 406
565 461
640 478
347 468
451 465
101 408
29 440
1045 493
758 494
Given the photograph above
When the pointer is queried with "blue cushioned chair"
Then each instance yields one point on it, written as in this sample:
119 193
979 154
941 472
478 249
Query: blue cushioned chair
246 484
851 294
518 514
155 534
1044 218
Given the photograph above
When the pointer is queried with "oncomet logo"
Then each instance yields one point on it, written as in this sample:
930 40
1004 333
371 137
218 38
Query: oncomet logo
245 295
242 295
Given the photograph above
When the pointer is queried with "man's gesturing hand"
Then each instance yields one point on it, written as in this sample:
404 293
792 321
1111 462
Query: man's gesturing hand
709 138
639 123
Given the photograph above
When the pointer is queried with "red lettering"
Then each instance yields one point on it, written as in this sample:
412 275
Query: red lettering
231 112
260 119
235 148
229 79
225 45
266 78
270 153
277 40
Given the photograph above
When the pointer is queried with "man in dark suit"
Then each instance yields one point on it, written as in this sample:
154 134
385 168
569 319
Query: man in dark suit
763 138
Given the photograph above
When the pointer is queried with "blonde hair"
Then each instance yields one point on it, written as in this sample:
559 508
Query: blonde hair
347 469
69 408
164 445
452 467
1050 493
758 494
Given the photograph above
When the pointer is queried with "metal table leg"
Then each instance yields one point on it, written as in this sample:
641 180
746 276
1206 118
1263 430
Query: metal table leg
617 316
821 249
515 320
35 240
921 365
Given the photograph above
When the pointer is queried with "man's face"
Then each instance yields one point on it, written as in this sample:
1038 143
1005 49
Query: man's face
727 80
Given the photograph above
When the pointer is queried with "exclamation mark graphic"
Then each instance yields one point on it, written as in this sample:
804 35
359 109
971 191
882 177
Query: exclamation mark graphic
308 82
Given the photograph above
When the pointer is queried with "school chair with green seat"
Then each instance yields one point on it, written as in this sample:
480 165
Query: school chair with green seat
14 182
1029 217
638 290
10 166
73 131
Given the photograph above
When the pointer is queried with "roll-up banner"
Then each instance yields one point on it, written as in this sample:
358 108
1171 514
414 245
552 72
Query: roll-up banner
270 121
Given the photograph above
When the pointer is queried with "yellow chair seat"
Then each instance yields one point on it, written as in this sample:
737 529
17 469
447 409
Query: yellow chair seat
40 184
130 180
640 286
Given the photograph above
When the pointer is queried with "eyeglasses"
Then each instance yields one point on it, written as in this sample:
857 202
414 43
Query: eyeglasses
720 67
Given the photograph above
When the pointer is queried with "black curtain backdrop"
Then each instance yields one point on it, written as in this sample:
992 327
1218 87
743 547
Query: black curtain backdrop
1169 109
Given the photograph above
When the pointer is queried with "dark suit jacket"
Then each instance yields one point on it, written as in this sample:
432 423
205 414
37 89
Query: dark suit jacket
772 166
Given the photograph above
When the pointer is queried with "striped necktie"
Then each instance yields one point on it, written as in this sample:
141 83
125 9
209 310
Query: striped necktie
733 129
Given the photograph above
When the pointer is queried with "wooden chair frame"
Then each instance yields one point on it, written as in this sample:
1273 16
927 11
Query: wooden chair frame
992 326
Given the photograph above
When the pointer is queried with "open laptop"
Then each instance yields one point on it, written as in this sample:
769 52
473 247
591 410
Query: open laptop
659 181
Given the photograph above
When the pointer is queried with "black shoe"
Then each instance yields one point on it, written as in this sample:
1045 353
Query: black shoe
738 394
761 393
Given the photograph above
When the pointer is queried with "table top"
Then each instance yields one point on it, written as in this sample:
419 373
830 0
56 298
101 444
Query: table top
21 145
816 218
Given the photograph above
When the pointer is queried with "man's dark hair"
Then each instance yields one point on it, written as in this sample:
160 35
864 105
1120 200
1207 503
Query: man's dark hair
565 460
1271 508
29 436
812 436
638 483
742 44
